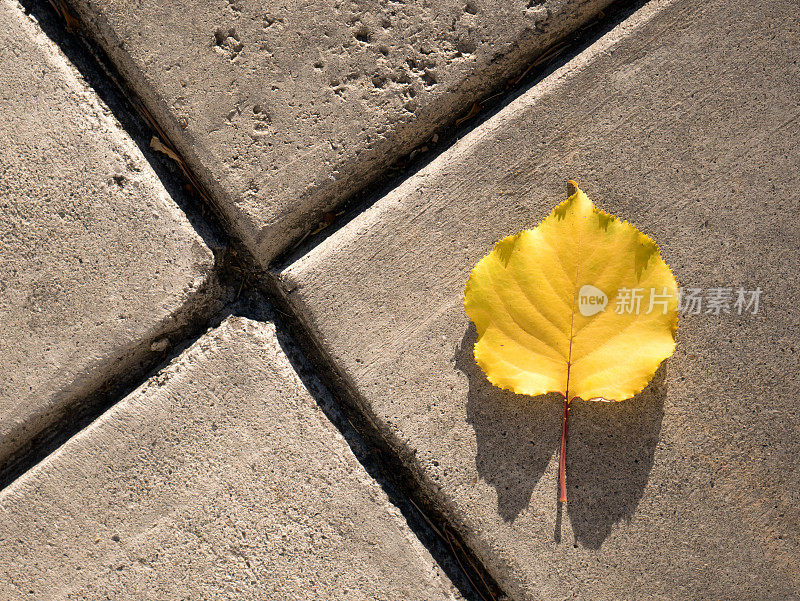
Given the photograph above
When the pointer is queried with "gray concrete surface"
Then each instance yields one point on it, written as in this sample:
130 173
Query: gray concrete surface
684 120
285 109
219 478
97 263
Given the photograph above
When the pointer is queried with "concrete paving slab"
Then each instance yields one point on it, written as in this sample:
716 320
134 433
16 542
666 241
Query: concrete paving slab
97 262
220 478
684 121
284 110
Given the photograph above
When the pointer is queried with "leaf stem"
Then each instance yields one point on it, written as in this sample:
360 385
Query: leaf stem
562 464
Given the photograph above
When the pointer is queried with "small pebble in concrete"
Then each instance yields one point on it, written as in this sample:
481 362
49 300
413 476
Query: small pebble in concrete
285 110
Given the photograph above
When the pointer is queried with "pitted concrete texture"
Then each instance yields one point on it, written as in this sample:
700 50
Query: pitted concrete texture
284 109
220 478
684 121
97 263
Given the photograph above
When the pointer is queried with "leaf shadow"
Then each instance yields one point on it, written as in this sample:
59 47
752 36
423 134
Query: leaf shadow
516 434
610 448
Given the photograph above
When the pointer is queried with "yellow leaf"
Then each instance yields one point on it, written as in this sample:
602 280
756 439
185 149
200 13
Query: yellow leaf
582 305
